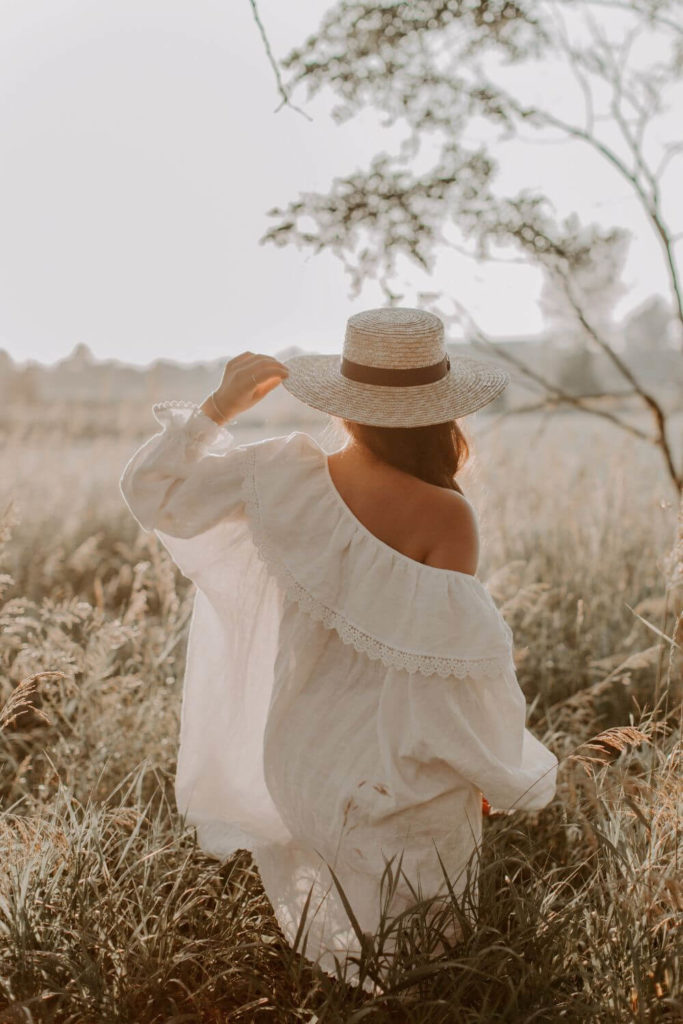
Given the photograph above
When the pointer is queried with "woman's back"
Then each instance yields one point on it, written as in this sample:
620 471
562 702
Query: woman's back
432 525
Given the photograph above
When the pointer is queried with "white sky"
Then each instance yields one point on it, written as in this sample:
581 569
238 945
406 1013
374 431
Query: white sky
139 152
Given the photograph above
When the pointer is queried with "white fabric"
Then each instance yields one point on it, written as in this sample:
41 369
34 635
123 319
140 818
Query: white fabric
342 702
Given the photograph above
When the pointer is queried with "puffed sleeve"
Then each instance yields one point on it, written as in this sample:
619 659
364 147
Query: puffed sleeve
466 729
185 482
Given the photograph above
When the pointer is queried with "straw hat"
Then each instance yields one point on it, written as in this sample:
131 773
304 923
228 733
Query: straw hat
394 371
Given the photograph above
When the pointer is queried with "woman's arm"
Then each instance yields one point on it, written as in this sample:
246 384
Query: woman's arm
475 727
172 482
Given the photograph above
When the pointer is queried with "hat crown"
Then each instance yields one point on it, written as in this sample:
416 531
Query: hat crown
397 337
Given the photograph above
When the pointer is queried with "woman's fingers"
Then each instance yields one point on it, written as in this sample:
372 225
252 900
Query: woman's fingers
247 378
264 387
258 367
264 368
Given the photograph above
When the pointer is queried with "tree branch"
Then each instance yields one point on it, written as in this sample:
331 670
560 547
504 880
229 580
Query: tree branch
627 5
482 340
273 63
550 402
650 401
576 70
672 150
650 206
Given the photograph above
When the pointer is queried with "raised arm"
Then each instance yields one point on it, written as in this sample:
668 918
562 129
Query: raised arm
183 479
186 478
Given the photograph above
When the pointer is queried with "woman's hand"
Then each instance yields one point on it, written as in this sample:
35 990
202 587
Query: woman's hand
246 380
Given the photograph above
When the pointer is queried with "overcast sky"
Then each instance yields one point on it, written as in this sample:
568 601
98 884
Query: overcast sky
139 153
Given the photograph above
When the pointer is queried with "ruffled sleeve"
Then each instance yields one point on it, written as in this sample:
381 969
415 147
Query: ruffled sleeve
476 731
185 483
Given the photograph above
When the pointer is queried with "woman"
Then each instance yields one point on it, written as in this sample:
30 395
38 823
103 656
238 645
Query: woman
350 694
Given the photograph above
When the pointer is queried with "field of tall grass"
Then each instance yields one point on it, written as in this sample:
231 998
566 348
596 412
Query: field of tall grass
109 911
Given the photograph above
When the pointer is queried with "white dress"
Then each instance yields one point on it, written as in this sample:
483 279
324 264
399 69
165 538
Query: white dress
342 703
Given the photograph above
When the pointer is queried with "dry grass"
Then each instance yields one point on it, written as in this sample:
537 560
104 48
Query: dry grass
109 912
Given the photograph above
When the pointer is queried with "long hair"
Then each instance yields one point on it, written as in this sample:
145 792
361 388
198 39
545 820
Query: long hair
434 453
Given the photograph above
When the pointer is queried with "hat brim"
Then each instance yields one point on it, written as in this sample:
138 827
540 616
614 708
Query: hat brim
470 384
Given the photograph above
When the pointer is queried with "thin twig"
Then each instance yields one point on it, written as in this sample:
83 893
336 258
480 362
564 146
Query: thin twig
273 63
655 17
482 340
547 404
575 67
672 150
649 205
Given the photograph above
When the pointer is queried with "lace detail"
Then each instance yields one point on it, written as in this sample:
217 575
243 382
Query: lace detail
174 403
392 657
197 426
181 403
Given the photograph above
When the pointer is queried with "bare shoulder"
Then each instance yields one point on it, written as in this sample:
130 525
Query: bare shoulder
453 531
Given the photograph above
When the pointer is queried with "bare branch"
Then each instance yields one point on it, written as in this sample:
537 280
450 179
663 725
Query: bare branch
649 202
672 151
273 63
613 72
575 68
548 404
482 340
649 400
522 260
611 69
627 5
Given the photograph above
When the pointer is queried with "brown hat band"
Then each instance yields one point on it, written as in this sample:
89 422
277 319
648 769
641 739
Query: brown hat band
394 377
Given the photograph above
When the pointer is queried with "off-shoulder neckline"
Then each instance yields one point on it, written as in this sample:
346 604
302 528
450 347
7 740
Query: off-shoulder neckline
362 528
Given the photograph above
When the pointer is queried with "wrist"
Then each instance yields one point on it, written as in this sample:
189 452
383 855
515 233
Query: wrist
213 408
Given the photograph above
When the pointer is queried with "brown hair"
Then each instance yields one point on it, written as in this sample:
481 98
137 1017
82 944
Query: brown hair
433 453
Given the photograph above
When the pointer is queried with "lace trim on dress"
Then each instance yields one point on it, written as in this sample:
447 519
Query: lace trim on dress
392 657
